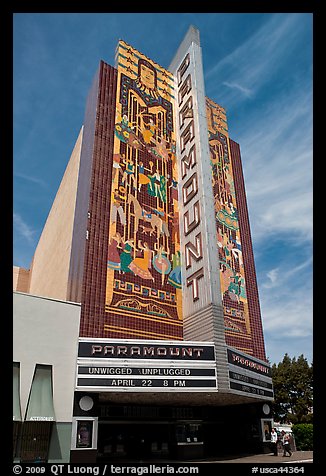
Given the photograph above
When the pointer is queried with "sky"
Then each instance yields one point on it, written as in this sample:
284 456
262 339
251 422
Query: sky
258 66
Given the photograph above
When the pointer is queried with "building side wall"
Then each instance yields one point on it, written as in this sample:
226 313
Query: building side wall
45 331
21 279
257 339
99 144
76 268
50 266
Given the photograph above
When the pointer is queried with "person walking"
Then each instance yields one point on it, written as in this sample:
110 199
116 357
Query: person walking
286 443
274 438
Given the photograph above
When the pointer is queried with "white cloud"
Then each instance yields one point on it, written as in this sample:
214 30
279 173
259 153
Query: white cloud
246 91
277 163
272 275
286 279
32 179
286 302
23 229
288 316
257 59
276 138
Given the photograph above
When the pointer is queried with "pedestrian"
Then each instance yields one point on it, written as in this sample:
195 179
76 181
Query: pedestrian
274 438
286 444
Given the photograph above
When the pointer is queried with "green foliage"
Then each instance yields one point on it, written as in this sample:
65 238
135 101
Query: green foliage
293 390
303 434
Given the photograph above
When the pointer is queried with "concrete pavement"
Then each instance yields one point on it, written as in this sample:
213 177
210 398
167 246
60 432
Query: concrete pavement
267 458
297 457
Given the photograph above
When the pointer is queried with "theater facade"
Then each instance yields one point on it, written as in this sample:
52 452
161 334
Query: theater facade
170 354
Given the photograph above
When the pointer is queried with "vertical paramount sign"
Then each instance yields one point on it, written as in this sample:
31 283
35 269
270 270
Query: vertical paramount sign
193 250
201 291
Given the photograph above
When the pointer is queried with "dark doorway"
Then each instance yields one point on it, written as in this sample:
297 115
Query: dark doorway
16 437
35 441
137 441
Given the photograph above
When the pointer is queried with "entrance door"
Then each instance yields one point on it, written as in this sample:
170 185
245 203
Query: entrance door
35 441
135 441
189 439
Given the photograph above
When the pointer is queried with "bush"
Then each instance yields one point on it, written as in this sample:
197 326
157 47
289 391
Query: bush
303 434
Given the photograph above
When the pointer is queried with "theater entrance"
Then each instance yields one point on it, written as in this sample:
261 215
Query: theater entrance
134 441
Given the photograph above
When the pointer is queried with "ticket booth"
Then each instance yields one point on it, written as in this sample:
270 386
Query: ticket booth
189 440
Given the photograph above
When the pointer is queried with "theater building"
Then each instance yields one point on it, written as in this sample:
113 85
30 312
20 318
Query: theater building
149 235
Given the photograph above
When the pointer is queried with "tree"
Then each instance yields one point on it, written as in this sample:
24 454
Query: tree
293 390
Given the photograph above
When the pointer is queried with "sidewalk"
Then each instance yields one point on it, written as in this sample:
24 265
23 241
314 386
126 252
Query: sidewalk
297 457
269 458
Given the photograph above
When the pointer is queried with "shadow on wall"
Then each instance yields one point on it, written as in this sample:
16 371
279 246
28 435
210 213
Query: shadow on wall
59 451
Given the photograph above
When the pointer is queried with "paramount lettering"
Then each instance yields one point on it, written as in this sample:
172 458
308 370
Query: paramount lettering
189 174
249 363
145 351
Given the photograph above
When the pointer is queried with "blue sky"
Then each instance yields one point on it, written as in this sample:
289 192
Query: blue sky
258 66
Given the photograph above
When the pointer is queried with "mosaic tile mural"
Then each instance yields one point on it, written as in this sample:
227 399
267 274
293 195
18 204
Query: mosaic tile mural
232 273
143 269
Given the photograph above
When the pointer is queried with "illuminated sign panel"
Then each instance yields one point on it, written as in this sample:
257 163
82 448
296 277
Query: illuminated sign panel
249 376
113 365
145 384
150 349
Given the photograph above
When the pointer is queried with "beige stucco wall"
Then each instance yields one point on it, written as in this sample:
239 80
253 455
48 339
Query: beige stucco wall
20 279
50 265
45 331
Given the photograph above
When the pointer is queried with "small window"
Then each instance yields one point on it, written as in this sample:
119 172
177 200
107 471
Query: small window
266 425
40 403
189 433
84 433
39 418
